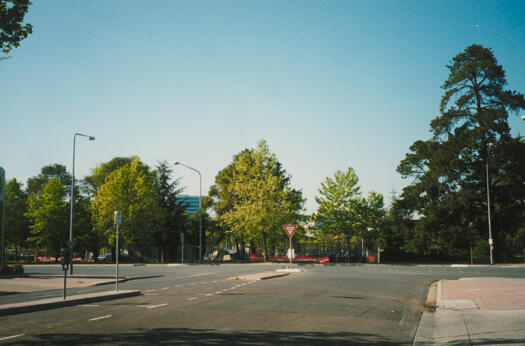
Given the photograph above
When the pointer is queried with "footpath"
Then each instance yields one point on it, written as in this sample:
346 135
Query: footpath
474 311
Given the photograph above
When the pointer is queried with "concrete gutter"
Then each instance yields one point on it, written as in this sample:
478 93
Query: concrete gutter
53 303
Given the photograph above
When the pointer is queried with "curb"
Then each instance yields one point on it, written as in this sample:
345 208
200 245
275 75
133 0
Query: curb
53 303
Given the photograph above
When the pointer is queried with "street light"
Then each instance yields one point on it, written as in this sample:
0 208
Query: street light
200 208
491 242
91 138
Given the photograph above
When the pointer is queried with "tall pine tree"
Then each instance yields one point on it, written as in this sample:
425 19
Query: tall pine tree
449 190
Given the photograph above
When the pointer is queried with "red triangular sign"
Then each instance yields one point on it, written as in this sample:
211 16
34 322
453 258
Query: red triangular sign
290 229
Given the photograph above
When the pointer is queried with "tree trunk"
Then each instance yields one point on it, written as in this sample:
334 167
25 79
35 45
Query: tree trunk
265 247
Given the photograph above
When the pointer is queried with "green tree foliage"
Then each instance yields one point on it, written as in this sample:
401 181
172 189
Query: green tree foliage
17 224
101 172
342 212
263 199
171 217
448 190
339 201
12 31
132 190
223 199
48 213
35 184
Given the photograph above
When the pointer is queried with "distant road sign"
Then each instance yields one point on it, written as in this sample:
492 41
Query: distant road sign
290 229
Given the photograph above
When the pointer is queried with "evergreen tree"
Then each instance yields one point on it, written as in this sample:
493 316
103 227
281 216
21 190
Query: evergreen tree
449 170
16 224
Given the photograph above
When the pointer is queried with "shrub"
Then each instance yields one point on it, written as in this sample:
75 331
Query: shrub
17 268
5 270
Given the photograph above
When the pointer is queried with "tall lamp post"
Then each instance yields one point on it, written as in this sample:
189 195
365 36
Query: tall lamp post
491 242
91 138
200 207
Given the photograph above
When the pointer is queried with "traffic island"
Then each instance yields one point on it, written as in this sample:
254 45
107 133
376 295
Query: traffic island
259 276
53 303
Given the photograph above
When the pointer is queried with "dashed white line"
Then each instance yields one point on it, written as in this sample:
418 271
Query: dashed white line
209 294
232 288
99 318
215 281
151 294
178 286
11 337
165 288
218 292
150 291
192 298
156 306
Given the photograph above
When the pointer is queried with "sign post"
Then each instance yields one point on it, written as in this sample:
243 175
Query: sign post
118 221
290 229
182 244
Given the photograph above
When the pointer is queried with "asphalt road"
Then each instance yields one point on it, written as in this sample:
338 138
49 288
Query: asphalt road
373 304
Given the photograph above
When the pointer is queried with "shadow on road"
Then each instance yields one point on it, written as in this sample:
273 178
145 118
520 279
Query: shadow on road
184 336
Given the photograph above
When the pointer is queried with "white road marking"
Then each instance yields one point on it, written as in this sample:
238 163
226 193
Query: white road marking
218 292
192 298
215 281
156 306
232 288
150 291
238 285
224 290
99 318
209 294
11 337
151 294
177 286
166 288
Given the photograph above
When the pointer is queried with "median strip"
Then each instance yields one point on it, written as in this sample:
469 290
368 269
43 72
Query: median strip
156 306
11 337
99 318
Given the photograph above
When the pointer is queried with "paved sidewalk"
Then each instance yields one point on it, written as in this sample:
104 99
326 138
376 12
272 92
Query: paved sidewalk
474 311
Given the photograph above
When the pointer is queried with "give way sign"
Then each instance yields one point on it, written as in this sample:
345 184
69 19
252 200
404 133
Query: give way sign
290 229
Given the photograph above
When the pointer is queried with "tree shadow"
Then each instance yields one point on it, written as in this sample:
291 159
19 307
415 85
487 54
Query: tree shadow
185 336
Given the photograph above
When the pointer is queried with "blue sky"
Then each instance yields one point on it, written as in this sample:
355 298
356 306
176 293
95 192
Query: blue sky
329 84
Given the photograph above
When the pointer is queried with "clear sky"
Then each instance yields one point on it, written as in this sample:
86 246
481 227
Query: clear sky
329 84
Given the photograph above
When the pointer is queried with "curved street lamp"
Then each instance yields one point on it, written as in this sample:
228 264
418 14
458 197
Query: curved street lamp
91 138
200 208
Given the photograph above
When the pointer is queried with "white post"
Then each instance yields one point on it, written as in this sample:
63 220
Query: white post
291 253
